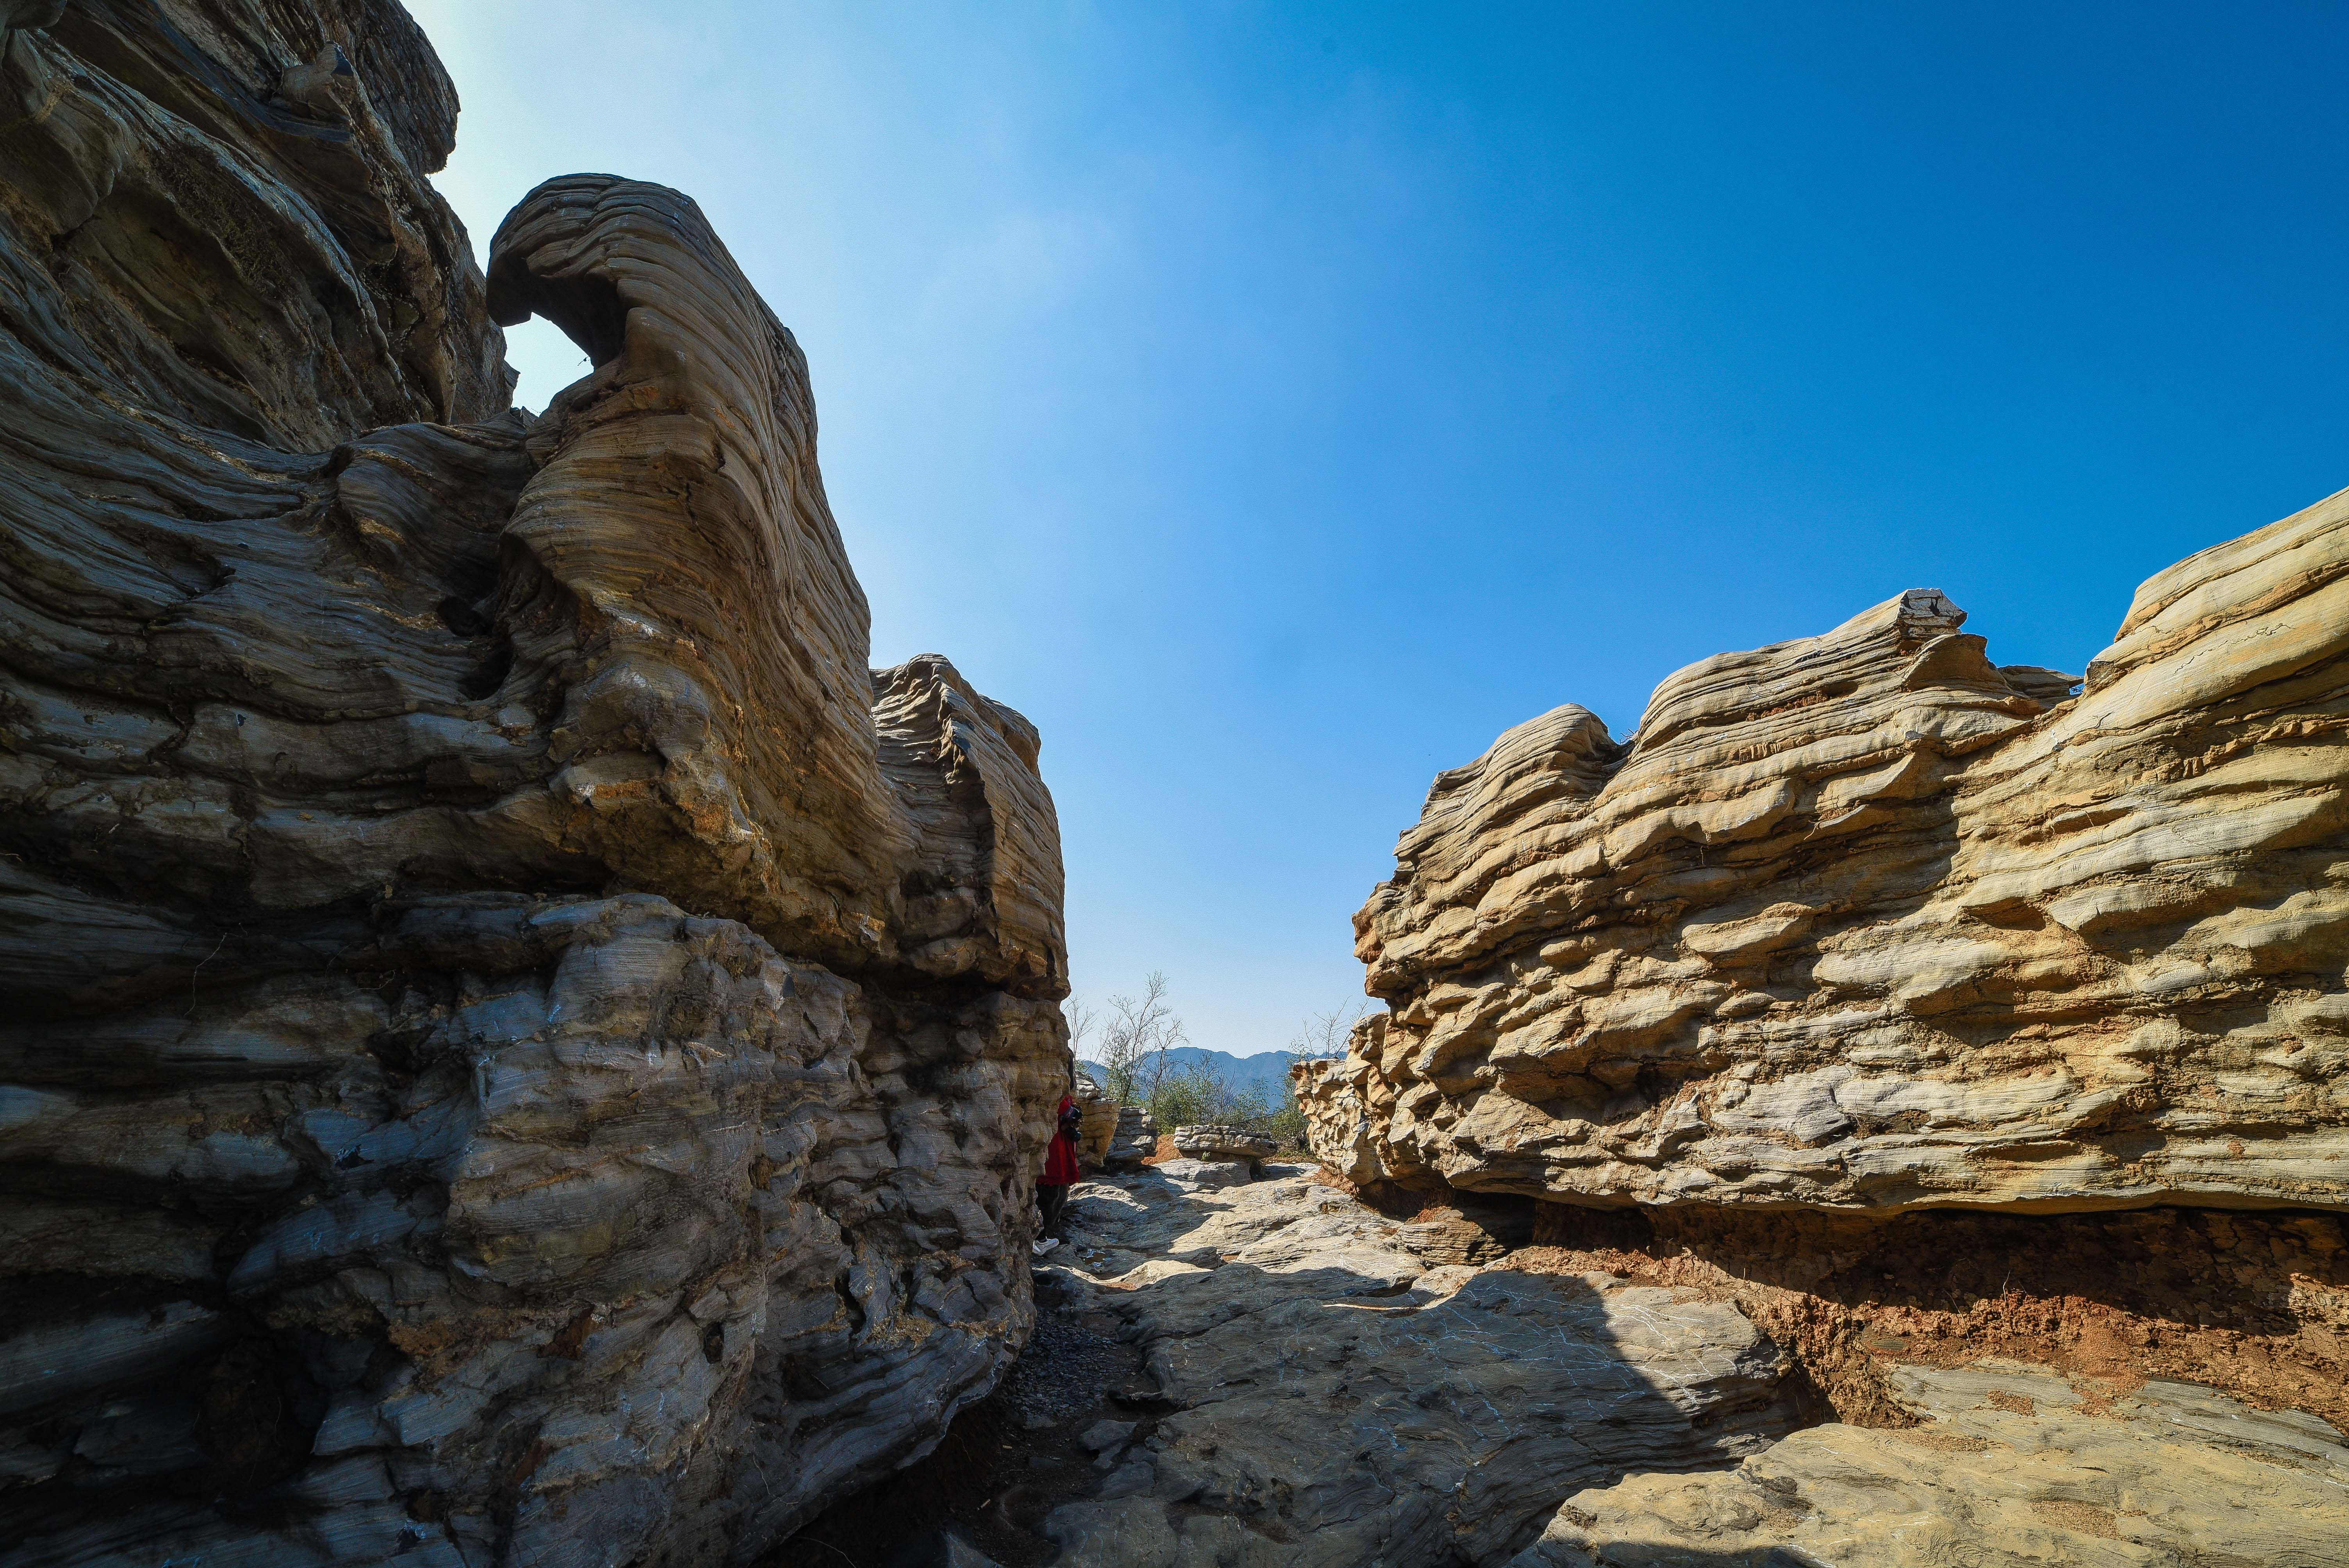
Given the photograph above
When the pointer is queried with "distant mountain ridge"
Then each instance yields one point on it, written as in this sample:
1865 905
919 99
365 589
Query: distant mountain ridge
1266 1068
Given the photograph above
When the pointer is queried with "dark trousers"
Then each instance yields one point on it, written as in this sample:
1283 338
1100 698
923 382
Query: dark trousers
1052 1200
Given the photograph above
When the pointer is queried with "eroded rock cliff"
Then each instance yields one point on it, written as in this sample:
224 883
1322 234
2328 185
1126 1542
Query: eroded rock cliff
1867 921
1920 1008
521 1046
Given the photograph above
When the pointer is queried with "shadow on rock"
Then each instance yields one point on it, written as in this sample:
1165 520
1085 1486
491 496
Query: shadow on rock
2246 1303
2007 1463
1333 1398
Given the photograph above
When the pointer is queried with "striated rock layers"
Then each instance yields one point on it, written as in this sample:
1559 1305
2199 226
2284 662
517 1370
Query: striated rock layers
1865 922
1097 1122
1213 1141
520 1047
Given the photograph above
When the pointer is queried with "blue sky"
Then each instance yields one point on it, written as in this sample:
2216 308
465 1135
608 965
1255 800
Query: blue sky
1276 402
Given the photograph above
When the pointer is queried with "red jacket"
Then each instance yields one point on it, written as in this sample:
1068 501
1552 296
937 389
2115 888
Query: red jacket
1060 1159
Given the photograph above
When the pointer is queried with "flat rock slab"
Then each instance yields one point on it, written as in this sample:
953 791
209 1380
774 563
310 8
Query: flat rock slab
1214 1141
1340 1399
2010 1465
1190 1173
1103 1435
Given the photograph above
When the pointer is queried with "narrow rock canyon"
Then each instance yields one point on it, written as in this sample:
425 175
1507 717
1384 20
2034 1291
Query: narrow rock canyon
523 1048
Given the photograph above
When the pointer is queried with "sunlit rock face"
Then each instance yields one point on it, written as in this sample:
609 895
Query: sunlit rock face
521 1047
1867 920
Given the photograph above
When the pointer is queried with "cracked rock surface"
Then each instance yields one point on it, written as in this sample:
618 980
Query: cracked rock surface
1331 1388
2006 1464
1328 1392
521 1047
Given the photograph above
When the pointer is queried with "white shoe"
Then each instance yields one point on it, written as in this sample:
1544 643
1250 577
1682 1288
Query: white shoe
1046 1246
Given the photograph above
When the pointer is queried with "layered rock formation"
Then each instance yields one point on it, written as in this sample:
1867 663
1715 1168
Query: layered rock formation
1097 1122
521 1048
1867 921
1213 1141
1133 1139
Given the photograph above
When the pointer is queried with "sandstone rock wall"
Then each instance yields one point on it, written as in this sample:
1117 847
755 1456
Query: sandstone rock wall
1866 921
521 1047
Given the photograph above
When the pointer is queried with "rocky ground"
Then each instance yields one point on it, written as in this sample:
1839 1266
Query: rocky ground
1240 1368
2008 1465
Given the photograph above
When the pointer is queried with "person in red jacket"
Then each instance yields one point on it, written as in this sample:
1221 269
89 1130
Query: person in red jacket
1060 1170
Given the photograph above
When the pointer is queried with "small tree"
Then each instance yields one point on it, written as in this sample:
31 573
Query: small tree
1197 1092
1318 1038
1135 1040
1137 1035
1082 1021
1325 1034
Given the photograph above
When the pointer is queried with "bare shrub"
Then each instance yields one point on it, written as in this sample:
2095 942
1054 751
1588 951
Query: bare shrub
1134 1039
1321 1037
1137 1035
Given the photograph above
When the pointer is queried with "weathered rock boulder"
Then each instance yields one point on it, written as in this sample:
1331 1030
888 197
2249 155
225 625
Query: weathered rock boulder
1135 1139
1867 920
521 1048
1194 1174
1213 1140
1097 1115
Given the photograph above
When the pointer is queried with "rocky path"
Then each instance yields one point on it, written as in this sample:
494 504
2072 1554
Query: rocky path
981 1498
1238 1369
1340 1388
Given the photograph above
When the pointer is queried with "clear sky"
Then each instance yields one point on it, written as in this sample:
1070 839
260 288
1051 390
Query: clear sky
1276 402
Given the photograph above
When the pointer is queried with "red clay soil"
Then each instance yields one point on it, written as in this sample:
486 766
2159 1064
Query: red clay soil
2256 1305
